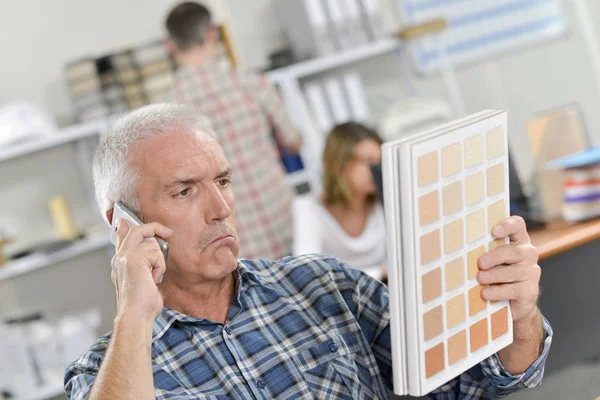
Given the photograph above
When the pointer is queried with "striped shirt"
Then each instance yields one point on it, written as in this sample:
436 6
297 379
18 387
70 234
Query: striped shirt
247 115
305 327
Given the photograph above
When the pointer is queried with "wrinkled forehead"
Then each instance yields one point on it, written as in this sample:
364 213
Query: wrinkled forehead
178 152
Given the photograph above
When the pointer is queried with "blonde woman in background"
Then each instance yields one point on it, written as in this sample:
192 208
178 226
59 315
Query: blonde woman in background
346 220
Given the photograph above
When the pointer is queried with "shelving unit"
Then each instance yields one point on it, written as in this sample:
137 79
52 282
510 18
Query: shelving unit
63 136
336 60
41 260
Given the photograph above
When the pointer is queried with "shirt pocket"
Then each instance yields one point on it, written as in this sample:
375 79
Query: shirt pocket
333 367
168 387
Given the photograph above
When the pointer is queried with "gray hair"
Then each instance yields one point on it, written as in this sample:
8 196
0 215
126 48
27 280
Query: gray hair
114 179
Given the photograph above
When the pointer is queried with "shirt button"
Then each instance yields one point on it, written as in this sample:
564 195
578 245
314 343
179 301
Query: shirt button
260 384
333 347
228 330
188 335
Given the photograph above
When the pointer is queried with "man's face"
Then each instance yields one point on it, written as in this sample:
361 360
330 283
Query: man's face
185 185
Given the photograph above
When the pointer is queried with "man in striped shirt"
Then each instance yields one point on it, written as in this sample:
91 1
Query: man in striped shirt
203 324
245 112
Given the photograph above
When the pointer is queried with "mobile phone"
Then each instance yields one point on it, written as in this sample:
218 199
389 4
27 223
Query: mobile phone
122 212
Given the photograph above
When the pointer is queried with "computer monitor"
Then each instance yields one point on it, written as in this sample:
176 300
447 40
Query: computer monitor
378 180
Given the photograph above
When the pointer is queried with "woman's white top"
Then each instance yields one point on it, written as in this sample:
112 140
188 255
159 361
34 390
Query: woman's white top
317 231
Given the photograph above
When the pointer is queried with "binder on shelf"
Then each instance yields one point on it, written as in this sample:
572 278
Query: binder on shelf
372 16
307 27
354 22
337 101
356 96
318 106
337 19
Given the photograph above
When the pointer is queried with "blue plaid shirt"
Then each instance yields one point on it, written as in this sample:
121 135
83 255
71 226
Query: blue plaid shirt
306 327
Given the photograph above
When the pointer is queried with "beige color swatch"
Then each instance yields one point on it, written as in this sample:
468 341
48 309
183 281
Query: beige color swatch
476 303
457 347
473 151
454 274
453 236
475 226
495 179
430 247
452 198
429 208
479 335
428 169
432 285
494 143
474 188
451 160
455 311
433 323
472 261
434 360
496 213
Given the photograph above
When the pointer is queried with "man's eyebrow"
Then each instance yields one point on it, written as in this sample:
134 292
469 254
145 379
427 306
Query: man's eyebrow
224 174
185 181
190 181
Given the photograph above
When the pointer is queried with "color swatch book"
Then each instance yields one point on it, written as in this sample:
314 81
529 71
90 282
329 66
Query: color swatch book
445 189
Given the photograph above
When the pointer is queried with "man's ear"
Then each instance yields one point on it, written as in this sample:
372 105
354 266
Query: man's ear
171 47
109 215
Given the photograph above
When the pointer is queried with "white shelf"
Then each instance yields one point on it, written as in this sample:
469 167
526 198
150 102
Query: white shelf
40 260
321 64
46 392
62 136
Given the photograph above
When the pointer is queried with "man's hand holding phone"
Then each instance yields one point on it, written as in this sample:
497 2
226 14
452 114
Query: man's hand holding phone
137 268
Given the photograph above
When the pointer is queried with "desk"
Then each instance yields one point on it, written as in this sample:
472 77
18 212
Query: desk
560 236
569 257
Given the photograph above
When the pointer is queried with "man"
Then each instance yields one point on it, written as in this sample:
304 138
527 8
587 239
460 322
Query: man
245 112
305 327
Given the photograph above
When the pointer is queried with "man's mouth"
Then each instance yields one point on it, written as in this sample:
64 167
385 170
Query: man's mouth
221 238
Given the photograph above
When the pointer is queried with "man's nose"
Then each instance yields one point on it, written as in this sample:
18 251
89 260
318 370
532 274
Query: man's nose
218 208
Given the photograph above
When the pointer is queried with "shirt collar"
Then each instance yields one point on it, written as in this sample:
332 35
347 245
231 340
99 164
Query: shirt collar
212 67
168 316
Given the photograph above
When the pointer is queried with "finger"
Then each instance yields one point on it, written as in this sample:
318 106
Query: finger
504 274
156 259
122 230
514 227
138 234
506 291
508 254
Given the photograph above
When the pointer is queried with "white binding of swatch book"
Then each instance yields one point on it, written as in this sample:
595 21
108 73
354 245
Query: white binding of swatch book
480 29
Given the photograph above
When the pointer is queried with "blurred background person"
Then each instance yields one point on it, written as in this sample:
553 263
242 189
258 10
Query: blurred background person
346 220
246 113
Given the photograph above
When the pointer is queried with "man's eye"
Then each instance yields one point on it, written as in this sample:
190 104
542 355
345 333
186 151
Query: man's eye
224 182
184 192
